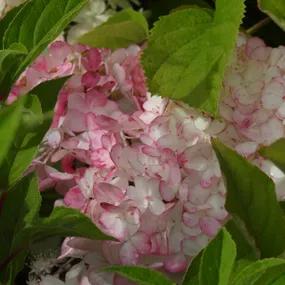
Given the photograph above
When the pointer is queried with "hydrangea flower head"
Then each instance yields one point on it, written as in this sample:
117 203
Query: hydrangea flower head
142 167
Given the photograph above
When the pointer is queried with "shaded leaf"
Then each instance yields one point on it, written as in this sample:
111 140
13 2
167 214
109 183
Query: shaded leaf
6 21
191 276
274 9
275 153
20 210
279 281
37 24
217 260
124 28
141 275
34 127
48 91
9 124
245 244
9 60
67 222
251 196
260 272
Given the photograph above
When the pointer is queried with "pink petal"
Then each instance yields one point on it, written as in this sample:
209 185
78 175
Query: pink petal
74 198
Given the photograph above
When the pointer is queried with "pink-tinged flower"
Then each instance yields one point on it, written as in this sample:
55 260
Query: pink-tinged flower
146 195
142 167
120 221
128 155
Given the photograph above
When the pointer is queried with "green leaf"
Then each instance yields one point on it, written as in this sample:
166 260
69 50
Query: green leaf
141 275
37 24
9 124
275 153
191 276
238 267
244 242
67 222
34 127
62 222
275 9
48 91
159 8
9 59
20 210
188 52
121 30
217 260
251 197
5 22
261 272
279 281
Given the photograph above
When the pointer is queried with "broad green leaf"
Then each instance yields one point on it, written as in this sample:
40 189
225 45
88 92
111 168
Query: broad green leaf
43 101
24 154
141 275
261 272
238 267
251 197
49 197
121 30
48 91
37 24
9 124
158 8
191 276
9 60
217 260
275 9
245 244
123 3
61 222
279 281
188 52
67 222
275 153
32 115
6 21
20 210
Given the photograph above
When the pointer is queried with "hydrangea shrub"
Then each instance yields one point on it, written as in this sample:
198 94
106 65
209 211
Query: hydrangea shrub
159 161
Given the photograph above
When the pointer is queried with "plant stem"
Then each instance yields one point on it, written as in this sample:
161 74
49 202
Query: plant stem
252 30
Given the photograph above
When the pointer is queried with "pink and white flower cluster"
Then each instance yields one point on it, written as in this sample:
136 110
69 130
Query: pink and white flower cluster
253 103
142 167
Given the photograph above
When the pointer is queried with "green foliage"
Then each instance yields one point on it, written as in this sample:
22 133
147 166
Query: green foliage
261 272
218 260
141 275
35 114
251 196
158 8
275 153
245 243
34 25
188 52
5 22
275 9
19 211
66 222
121 30
279 281
191 276
9 59
47 92
9 116
21 225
